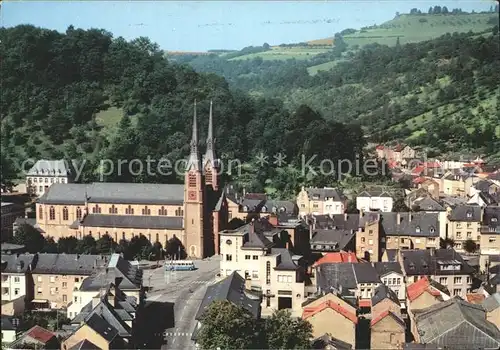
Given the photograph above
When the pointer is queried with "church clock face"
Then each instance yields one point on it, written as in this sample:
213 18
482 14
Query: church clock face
192 195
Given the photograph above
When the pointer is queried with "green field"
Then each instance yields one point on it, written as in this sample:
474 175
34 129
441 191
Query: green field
285 53
110 118
313 70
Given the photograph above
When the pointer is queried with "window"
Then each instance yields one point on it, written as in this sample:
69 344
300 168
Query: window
457 280
469 234
284 279
162 211
52 279
417 240
65 213
469 280
459 234
399 281
65 285
245 208
17 279
370 241
247 257
146 211
16 291
65 298
469 225
78 213
39 290
431 240
492 239
52 213
443 280
113 210
255 274
230 215
469 214
39 278
192 180
229 257
179 212
53 290
96 209
40 212
402 240
457 291
76 299
370 232
268 272
129 210
255 257
362 239
459 225
268 298
417 229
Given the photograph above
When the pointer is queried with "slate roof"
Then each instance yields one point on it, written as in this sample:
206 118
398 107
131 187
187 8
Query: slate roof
231 288
69 264
492 302
102 327
6 324
84 345
392 254
257 240
384 268
129 276
366 273
458 325
133 221
327 340
483 185
336 221
7 247
424 262
419 224
12 263
44 167
341 238
428 204
322 193
470 213
286 262
417 346
383 292
491 218
116 193
343 277
277 206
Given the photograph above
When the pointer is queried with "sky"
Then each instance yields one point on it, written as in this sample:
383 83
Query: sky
204 25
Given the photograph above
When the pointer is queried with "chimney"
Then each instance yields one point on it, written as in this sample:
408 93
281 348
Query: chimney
345 216
77 256
244 192
398 218
251 227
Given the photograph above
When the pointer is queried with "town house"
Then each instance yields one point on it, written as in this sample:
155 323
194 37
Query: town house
17 282
420 230
374 200
490 235
321 201
44 173
464 222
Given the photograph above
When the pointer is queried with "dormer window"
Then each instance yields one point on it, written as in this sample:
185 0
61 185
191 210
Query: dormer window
432 230
245 208
282 209
264 209
417 229
494 219
275 209
469 214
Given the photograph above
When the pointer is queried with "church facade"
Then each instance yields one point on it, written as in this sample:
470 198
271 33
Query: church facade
194 212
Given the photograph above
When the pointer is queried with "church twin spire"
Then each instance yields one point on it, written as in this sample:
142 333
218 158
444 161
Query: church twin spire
194 161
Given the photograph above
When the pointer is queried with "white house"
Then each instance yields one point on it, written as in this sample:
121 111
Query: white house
46 172
8 330
374 200
392 276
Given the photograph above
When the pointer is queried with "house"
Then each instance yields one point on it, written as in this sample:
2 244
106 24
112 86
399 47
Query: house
331 314
387 331
456 324
231 288
374 200
431 186
17 282
384 299
107 321
57 276
390 255
492 306
333 240
425 292
328 342
464 222
10 248
356 282
321 201
489 235
445 266
392 276
45 172
458 183
8 330
420 230
9 212
268 268
38 337
119 271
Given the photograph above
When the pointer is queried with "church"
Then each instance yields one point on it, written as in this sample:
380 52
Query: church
194 212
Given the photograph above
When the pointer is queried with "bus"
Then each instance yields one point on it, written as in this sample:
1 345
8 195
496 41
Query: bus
179 265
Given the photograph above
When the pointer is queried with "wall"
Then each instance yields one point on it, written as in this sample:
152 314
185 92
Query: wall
383 204
422 301
387 334
85 332
57 289
13 307
460 231
411 242
494 317
385 305
14 284
490 245
330 321
36 184
367 240
463 284
398 288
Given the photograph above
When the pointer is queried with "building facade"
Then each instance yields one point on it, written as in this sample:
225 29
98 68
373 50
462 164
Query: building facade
47 172
321 201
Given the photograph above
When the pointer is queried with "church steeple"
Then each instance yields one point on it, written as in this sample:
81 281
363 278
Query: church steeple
194 162
210 152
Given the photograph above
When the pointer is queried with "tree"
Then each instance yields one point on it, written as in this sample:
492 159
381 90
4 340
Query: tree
50 246
30 237
227 326
284 332
446 243
87 245
105 244
174 248
470 246
8 170
67 245
400 206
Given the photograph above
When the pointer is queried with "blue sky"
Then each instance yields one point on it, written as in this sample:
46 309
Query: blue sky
203 25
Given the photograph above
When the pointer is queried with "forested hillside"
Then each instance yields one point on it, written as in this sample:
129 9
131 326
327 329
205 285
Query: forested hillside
440 93
86 95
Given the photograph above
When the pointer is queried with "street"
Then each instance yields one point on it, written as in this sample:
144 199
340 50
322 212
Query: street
185 290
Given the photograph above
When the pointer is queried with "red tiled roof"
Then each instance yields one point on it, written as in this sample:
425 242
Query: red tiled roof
338 257
418 170
419 180
392 164
383 315
475 298
469 165
416 289
380 147
311 311
365 303
432 165
40 334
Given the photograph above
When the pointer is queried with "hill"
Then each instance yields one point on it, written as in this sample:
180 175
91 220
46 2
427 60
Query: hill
88 96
